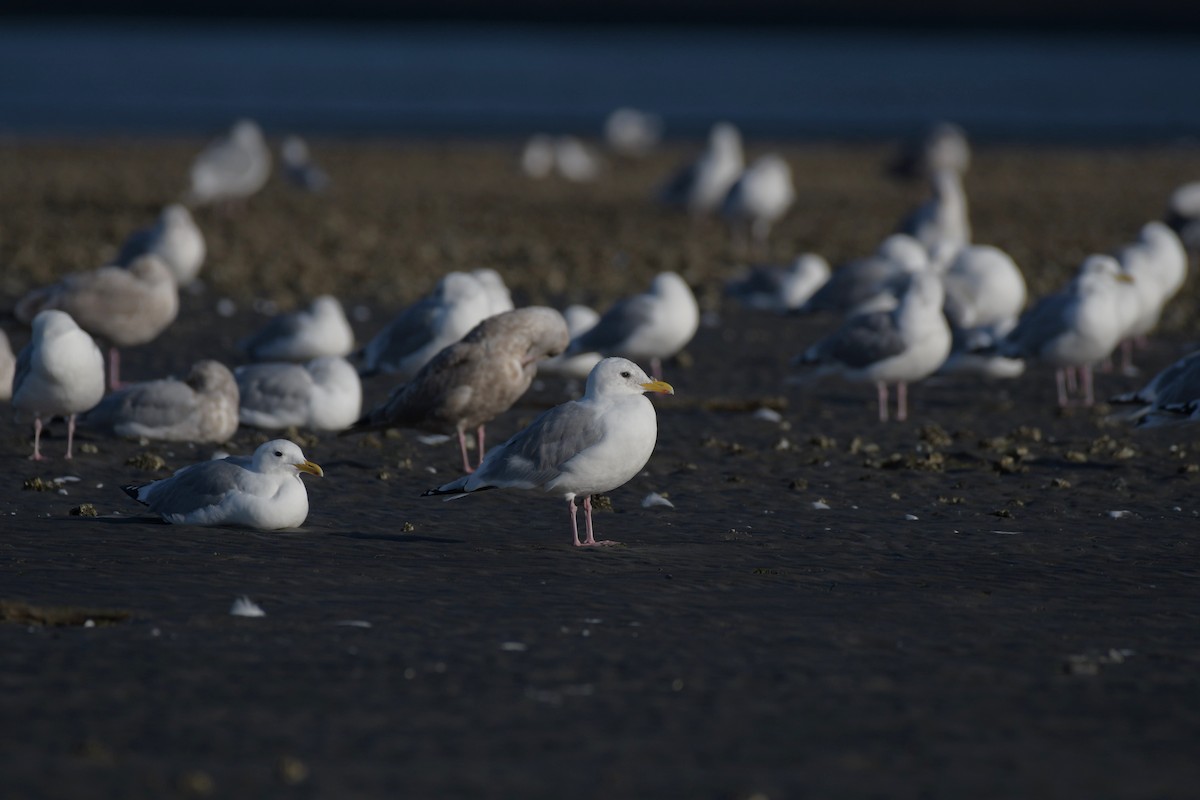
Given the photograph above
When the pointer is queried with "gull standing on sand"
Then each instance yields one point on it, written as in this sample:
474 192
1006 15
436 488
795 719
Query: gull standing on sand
299 167
985 294
759 197
456 305
175 238
8 365
262 492
1158 264
583 447
771 287
202 408
699 187
1170 398
125 307
321 329
323 395
943 218
652 326
900 346
233 167
580 319
474 380
1075 327
59 373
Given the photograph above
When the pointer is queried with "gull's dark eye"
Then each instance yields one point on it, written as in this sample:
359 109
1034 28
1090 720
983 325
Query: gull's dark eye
625 374
279 454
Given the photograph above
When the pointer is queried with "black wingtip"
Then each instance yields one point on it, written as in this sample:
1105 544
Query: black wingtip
132 490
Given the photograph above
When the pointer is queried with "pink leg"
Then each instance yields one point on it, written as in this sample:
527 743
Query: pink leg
1060 379
462 447
1089 399
901 401
114 368
479 440
574 521
70 433
37 439
590 541
1072 384
1127 366
881 391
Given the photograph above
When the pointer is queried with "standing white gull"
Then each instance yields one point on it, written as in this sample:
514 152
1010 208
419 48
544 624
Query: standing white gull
232 167
59 373
263 492
652 326
772 287
1157 263
900 346
760 196
321 329
985 294
943 218
202 408
456 305
174 238
323 395
582 447
700 187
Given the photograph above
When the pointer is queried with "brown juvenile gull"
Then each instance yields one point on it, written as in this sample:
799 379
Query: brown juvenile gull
201 408
59 373
471 382
124 307
582 447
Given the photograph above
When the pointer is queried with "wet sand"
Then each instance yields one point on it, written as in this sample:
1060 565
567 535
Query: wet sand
967 618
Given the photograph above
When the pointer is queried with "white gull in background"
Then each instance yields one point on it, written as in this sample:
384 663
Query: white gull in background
760 196
263 492
476 379
499 298
232 167
652 326
861 283
1157 263
632 132
59 373
580 448
1075 327
321 329
580 319
8 365
125 307
174 238
780 288
456 305
943 147
299 167
985 294
1183 214
323 395
943 218
900 346
537 156
576 161
202 408
700 187
1170 397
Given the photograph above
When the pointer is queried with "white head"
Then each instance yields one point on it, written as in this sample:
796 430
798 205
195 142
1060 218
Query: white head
176 214
246 132
51 323
905 251
458 286
326 305
294 151
669 283
725 137
281 455
618 376
333 371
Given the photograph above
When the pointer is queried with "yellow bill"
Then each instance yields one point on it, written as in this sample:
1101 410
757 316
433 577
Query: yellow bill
662 387
311 468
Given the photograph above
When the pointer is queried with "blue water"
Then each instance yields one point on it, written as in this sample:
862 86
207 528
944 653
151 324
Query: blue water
81 79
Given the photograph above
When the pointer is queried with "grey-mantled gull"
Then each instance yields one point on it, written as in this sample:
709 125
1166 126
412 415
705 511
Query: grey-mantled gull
175 238
780 288
202 408
124 307
321 329
1073 328
232 167
699 187
1158 264
8 365
582 447
324 395
985 294
499 297
474 380
898 347
298 165
263 491
759 198
943 218
1170 397
652 326
456 305
858 284
59 373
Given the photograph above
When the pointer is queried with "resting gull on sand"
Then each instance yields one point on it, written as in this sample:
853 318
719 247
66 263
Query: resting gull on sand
232 167
174 238
323 395
760 196
321 329
59 373
263 491
202 408
582 447
124 307
474 380
780 288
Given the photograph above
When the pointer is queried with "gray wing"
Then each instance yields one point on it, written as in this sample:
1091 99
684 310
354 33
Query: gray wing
274 388
279 327
157 404
862 341
1042 323
136 244
1178 383
762 279
535 456
851 285
24 364
195 487
407 333
612 329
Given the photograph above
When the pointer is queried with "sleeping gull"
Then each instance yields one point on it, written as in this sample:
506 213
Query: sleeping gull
580 319
476 379
456 305
232 167
1075 327
582 447
201 408
858 284
772 287
699 187
298 165
174 238
652 326
899 346
1172 396
59 373
323 395
263 491
575 160
760 196
124 307
321 329
8 365
631 132
985 294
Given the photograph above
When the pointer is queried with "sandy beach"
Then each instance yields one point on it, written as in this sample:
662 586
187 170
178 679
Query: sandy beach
1000 599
